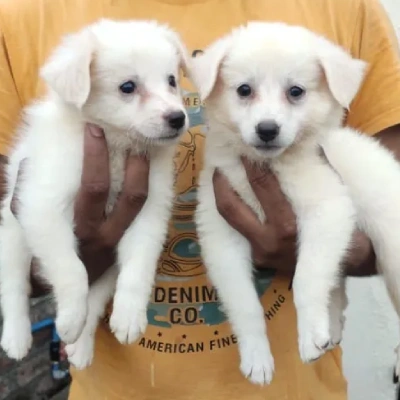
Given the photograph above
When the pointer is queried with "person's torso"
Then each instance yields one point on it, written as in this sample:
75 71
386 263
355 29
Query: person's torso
188 351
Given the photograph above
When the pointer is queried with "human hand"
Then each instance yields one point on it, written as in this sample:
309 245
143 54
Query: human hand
274 243
97 235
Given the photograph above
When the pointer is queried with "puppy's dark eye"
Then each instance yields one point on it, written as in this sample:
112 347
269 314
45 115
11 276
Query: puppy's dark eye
296 92
171 81
244 90
128 87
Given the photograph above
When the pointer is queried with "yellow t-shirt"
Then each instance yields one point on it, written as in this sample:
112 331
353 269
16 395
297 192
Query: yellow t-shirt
188 351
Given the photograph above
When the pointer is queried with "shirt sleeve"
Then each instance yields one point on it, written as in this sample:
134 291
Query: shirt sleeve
10 105
377 105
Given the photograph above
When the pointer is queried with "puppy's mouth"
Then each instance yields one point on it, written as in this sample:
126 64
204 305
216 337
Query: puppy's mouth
160 139
267 147
268 150
172 136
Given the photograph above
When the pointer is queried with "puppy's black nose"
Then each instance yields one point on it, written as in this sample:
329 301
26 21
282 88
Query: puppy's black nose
176 119
267 130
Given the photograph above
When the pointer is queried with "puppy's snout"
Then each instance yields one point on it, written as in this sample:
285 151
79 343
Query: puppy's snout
175 119
267 130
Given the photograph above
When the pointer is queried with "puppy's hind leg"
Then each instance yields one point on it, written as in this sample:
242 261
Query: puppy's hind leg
325 234
355 157
314 282
337 306
51 236
80 353
15 261
386 247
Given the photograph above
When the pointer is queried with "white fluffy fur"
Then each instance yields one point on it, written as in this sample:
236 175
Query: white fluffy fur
271 57
372 175
84 75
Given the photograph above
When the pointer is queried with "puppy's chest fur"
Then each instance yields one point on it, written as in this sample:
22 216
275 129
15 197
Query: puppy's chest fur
118 148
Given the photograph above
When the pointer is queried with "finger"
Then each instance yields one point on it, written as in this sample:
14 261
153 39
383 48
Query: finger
14 200
276 206
130 202
93 193
97 261
361 260
39 287
240 216
282 259
63 352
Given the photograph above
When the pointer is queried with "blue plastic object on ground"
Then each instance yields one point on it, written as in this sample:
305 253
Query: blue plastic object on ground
56 370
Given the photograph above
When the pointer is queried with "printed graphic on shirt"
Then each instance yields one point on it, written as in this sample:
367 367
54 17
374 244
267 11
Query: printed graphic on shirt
181 255
193 303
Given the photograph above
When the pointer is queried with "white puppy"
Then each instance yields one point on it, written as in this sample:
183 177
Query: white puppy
372 175
271 91
123 77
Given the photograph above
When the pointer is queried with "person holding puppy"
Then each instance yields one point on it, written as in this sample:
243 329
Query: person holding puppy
188 350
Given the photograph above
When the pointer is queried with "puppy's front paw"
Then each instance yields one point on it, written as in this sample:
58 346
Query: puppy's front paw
257 363
337 321
314 335
313 345
80 353
16 339
71 317
128 319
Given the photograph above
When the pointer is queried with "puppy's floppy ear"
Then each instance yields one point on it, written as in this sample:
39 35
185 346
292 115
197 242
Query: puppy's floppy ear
205 67
343 73
174 38
67 71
